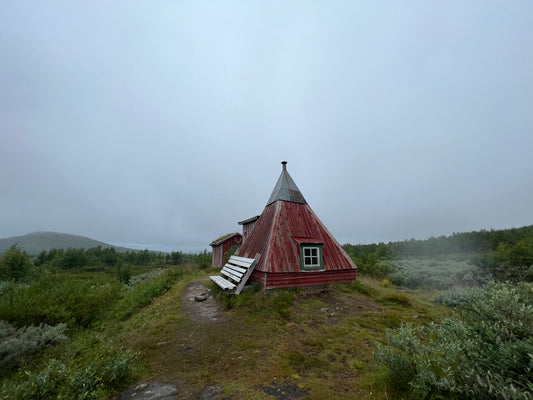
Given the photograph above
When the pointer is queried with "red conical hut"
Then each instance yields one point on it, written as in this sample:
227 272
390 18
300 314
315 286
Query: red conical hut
295 247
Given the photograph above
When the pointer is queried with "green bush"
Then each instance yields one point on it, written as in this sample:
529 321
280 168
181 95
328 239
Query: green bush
105 372
373 265
18 343
509 262
56 299
123 272
485 352
15 264
458 296
203 260
143 293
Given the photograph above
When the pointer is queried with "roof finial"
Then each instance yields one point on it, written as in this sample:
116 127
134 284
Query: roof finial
284 163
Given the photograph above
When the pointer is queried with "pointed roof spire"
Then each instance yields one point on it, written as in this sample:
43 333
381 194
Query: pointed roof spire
286 189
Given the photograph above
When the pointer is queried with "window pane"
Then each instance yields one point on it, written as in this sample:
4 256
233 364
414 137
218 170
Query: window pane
311 256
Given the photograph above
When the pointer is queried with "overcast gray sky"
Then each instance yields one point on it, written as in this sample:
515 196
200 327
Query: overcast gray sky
164 122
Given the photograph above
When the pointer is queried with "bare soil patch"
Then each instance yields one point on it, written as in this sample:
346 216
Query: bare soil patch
199 304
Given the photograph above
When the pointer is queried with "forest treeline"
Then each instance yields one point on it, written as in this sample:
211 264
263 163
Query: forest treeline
507 254
74 258
17 265
468 242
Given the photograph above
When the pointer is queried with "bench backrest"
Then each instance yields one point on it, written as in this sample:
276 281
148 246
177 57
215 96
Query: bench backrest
238 270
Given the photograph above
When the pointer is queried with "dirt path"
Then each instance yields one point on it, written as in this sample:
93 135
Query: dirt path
203 310
199 304
192 348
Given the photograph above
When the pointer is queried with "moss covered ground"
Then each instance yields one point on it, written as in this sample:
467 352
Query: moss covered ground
312 343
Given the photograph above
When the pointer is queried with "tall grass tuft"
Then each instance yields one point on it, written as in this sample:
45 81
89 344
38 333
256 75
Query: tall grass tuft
276 302
144 292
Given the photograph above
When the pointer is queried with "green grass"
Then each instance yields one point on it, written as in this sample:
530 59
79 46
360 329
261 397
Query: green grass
92 362
320 340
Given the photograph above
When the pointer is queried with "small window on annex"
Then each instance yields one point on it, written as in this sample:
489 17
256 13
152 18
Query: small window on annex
311 256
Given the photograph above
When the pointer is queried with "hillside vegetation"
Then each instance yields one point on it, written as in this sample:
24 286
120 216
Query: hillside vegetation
87 323
59 322
460 259
34 243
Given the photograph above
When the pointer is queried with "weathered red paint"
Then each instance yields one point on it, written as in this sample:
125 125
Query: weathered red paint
315 278
277 235
287 223
222 246
248 226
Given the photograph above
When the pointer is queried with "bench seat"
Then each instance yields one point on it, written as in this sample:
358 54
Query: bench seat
235 273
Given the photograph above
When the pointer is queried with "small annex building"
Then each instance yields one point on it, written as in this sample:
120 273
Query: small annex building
224 244
248 226
295 247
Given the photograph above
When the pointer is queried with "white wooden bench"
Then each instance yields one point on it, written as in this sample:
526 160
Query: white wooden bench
236 273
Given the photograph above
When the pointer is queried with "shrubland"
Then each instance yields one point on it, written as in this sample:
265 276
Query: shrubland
484 348
59 315
448 317
482 351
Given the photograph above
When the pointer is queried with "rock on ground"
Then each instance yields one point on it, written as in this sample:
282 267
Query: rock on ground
150 391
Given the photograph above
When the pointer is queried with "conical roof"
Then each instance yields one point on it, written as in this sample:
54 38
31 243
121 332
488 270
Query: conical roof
281 233
286 189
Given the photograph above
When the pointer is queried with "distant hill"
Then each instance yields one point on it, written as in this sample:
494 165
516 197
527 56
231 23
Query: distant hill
34 243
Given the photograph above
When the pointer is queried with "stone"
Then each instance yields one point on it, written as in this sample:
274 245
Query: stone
151 391
209 392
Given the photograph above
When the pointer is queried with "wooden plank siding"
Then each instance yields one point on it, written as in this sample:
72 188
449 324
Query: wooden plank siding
221 247
283 233
315 278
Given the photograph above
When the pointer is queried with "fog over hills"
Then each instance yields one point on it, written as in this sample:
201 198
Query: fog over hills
35 242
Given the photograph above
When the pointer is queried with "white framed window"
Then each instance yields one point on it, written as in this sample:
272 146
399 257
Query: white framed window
311 256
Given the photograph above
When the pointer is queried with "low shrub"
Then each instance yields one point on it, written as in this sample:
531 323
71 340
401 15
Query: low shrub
15 343
442 273
144 292
459 296
144 277
123 272
105 372
15 264
374 266
56 299
484 352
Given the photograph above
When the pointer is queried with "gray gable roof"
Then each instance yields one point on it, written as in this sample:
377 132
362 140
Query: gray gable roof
286 189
